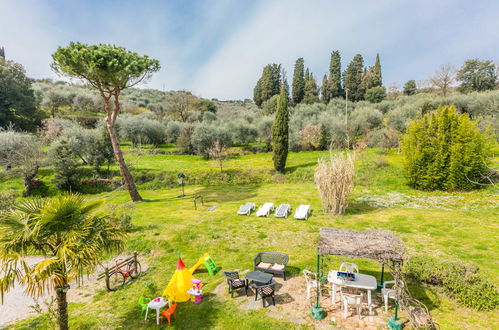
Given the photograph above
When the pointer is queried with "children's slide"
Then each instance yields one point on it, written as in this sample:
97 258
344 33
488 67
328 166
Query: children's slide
207 262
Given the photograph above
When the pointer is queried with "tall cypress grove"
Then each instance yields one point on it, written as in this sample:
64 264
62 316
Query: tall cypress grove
280 133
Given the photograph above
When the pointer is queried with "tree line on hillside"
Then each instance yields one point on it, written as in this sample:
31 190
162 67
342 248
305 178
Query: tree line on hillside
358 82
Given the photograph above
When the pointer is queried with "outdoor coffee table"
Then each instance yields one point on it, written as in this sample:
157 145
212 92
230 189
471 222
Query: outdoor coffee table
157 305
258 277
362 281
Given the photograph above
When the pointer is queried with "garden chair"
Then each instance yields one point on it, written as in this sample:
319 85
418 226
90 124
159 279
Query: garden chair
265 291
351 299
143 304
388 293
282 211
167 313
349 267
311 279
235 283
302 212
246 209
265 209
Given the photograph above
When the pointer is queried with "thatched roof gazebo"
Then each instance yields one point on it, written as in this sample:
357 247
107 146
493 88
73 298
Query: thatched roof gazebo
380 245
376 244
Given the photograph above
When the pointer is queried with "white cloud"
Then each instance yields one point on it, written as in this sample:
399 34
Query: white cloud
218 49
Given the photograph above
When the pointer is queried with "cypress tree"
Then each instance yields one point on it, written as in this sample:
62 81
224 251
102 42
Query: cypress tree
311 90
325 90
280 133
335 88
298 83
285 84
268 85
376 79
307 76
353 77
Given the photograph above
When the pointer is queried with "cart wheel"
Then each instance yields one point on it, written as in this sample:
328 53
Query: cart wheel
116 281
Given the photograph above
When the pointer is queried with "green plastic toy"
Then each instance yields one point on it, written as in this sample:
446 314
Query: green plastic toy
143 304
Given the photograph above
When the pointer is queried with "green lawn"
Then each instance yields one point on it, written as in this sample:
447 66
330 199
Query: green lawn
461 226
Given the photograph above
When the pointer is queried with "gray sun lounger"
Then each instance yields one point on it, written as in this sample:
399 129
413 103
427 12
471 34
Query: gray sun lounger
246 209
282 211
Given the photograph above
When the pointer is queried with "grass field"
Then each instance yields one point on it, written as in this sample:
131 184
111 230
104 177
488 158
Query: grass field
462 226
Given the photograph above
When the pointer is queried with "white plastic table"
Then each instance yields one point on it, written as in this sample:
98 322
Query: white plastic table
157 305
362 281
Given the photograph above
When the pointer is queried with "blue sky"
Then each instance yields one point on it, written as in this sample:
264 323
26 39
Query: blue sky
216 49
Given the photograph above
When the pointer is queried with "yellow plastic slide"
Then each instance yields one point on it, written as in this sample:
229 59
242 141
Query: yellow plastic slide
200 262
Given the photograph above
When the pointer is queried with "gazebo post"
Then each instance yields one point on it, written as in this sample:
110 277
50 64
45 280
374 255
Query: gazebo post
380 284
317 311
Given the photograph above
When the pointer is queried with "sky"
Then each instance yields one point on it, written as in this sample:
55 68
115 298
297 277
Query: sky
217 49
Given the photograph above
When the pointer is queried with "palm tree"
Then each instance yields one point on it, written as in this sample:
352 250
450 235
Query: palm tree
67 231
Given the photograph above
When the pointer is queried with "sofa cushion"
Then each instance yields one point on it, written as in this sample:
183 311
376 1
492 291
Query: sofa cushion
264 265
277 267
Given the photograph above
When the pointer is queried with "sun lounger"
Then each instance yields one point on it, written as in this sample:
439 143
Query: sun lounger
282 211
302 212
246 209
265 209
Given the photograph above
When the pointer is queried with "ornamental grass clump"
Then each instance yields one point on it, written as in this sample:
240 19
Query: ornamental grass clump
334 179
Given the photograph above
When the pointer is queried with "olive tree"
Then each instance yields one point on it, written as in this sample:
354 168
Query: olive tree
109 69
21 152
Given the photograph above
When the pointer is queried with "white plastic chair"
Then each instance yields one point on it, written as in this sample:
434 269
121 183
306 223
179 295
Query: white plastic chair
349 267
388 293
351 299
311 279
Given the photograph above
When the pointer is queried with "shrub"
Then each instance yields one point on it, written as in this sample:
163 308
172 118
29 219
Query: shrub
66 166
459 280
445 151
310 136
383 138
141 129
334 179
21 152
184 142
204 136
375 94
399 117
264 128
173 129
242 132
218 153
364 119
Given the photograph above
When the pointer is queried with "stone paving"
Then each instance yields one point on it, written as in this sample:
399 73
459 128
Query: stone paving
292 306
